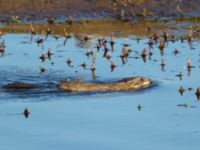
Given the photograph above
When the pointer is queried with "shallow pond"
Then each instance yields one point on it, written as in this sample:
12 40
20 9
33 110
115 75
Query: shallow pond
61 120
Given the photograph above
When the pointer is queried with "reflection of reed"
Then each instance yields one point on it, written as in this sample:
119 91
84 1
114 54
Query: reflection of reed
93 75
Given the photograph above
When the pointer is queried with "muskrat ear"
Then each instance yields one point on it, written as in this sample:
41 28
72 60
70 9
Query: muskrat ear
141 79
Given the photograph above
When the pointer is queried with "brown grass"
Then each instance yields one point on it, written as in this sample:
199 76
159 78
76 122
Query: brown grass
94 27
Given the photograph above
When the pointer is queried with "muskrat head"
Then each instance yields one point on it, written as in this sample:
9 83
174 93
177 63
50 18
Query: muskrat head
138 82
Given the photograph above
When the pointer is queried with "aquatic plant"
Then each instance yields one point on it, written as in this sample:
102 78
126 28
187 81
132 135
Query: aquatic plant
139 107
16 19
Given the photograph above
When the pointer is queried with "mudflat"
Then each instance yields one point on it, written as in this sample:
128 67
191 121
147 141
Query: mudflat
38 9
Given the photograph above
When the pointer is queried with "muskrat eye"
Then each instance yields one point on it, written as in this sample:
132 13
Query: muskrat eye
142 79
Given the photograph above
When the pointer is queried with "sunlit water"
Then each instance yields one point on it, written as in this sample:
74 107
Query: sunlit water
61 120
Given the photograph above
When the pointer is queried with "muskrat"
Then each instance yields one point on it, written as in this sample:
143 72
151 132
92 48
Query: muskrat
126 84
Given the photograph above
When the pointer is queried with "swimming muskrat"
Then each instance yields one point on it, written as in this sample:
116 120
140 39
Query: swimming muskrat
127 84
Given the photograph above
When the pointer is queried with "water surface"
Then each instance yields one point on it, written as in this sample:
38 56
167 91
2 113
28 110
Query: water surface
61 120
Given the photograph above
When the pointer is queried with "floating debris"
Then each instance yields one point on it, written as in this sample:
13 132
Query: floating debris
40 41
150 53
43 57
48 32
165 36
198 93
16 19
105 51
161 46
69 62
1 34
2 47
126 43
189 66
190 89
56 37
49 54
139 107
26 112
108 56
144 54
173 37
155 36
162 65
83 65
181 90
51 20
176 51
183 105
150 42
42 69
112 42
112 66
93 67
190 37
69 21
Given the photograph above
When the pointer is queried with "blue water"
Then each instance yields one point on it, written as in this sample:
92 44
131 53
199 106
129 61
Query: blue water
61 120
